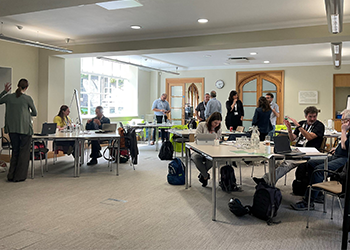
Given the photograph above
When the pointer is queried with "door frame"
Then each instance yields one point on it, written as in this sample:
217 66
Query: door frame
182 82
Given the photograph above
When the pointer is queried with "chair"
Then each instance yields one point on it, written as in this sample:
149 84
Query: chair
5 142
333 188
323 147
40 151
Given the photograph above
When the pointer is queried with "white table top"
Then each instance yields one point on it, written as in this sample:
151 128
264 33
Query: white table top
327 133
86 135
150 125
182 132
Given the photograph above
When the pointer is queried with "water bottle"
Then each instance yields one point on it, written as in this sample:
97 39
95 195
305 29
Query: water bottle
255 140
154 120
163 120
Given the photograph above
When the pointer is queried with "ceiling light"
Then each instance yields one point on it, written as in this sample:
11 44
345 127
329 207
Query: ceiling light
135 27
137 65
34 44
253 53
203 20
336 54
207 55
334 12
121 4
266 61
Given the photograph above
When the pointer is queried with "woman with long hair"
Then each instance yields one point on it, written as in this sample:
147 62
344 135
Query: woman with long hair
211 126
18 124
235 111
63 121
261 117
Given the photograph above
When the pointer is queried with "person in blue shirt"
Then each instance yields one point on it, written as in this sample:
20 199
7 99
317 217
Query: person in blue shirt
213 105
96 124
161 108
262 117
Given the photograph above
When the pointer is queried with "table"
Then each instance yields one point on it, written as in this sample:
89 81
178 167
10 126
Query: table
223 153
154 126
79 145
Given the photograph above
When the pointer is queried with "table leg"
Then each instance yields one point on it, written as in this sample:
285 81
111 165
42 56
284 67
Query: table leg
213 192
82 149
272 171
186 168
32 159
118 156
76 160
189 158
46 166
157 138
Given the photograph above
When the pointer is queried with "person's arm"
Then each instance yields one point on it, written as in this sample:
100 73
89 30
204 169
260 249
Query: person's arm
31 105
291 135
168 110
344 128
57 120
308 135
255 117
200 129
207 110
228 107
4 92
276 111
219 134
220 108
240 109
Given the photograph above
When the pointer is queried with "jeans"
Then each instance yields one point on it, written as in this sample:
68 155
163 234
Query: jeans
202 164
333 164
272 132
95 149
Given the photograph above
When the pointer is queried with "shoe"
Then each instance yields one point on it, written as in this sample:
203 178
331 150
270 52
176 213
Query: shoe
152 143
302 206
319 199
92 162
99 154
70 150
259 180
203 181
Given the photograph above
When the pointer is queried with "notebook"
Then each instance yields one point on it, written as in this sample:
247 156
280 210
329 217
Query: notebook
282 146
47 129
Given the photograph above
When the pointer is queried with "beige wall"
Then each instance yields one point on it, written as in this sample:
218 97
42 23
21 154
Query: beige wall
318 78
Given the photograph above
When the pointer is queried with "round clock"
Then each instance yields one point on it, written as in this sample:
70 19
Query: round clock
219 84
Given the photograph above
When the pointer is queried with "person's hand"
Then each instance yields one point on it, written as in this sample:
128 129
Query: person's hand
7 87
88 121
97 121
345 126
332 151
294 121
241 118
287 123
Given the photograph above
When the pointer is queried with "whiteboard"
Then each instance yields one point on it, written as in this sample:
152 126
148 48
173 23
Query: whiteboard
308 97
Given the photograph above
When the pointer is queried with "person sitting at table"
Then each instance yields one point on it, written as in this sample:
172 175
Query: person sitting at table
95 124
338 159
308 133
211 126
261 117
64 122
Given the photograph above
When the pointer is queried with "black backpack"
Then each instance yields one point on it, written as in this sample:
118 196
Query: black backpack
266 202
193 122
176 172
228 179
236 207
166 151
302 179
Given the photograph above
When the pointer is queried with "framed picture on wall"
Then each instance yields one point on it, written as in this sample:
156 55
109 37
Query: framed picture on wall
308 97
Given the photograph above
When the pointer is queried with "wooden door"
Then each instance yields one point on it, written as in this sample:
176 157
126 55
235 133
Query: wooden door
252 85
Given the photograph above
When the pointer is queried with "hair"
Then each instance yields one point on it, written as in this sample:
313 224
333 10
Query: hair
164 94
270 94
99 108
346 113
213 93
264 104
22 84
206 94
63 108
232 94
214 116
310 110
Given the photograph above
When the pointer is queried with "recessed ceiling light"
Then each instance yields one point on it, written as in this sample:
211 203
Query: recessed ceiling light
135 27
253 53
207 55
203 20
121 4
266 61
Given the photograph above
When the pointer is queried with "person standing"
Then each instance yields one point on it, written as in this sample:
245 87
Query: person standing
275 113
235 111
18 124
262 117
213 105
161 108
96 124
200 110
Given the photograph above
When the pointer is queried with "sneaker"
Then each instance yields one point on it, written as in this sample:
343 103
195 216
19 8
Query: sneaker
70 150
259 180
302 206
202 180
92 162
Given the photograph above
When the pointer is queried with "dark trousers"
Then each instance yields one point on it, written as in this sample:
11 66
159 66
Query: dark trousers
164 134
20 157
95 149
262 136
333 164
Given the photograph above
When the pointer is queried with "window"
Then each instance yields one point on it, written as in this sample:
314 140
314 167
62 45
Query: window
107 84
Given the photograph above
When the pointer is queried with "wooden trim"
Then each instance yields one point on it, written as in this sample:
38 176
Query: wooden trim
339 80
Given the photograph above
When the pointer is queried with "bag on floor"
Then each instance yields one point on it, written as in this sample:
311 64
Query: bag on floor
166 151
236 207
266 202
228 179
302 179
176 172
39 149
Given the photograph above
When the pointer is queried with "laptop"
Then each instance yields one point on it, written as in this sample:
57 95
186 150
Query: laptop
205 139
282 146
48 129
108 128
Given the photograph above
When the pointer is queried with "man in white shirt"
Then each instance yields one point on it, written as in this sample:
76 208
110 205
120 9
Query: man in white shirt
274 114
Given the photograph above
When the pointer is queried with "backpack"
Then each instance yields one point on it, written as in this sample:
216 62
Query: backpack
266 202
166 151
39 149
228 179
237 208
193 122
176 172
302 179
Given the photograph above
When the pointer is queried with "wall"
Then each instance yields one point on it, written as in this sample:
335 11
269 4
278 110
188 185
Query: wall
144 79
318 78
5 76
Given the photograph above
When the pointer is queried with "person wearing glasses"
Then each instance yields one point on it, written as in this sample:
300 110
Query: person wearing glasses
338 159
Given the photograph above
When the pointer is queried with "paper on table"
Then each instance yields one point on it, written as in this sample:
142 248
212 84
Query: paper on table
308 150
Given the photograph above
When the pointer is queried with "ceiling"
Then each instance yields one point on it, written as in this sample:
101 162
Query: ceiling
84 22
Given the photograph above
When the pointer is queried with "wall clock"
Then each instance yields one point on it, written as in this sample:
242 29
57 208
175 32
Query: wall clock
219 84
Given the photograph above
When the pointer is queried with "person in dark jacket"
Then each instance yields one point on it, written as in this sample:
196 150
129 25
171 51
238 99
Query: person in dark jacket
262 117
235 111
96 124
